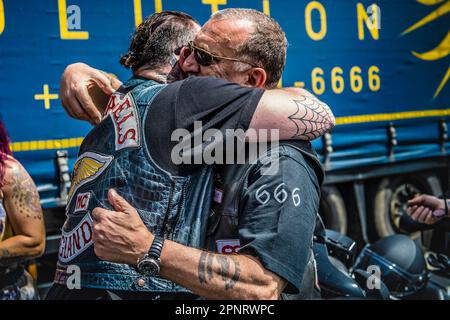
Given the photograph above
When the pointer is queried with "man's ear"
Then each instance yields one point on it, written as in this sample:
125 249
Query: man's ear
257 77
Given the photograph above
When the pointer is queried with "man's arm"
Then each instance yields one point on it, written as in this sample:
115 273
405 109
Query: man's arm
24 212
277 214
297 114
78 86
217 276
122 237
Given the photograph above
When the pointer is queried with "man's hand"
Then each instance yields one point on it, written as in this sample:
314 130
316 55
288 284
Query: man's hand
120 236
421 208
76 81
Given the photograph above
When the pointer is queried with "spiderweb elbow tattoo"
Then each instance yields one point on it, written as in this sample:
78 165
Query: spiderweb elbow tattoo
312 119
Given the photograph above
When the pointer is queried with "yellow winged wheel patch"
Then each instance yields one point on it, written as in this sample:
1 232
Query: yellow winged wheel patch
87 168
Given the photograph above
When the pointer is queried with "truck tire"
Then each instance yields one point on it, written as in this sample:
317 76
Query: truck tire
332 209
389 201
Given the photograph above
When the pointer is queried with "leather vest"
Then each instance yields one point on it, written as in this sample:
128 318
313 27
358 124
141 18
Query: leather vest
115 155
223 222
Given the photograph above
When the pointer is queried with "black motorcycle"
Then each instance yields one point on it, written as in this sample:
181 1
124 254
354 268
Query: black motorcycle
393 268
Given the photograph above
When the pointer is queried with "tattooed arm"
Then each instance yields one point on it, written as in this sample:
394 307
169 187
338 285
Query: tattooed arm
121 236
295 112
24 213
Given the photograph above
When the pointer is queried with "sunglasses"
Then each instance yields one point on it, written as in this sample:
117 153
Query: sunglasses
206 58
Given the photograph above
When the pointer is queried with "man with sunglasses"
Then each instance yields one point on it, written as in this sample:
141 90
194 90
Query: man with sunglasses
206 58
219 104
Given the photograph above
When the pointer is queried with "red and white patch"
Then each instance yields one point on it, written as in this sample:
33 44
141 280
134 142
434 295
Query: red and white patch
228 246
125 116
82 202
74 242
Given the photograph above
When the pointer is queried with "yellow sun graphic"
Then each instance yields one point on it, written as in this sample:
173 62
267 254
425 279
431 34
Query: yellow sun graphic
443 48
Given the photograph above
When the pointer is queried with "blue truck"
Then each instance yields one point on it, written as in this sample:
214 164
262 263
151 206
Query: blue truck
382 66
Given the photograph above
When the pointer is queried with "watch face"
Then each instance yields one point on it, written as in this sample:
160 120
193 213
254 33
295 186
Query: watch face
148 266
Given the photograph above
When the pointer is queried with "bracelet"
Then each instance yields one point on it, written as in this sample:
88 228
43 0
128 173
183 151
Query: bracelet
440 213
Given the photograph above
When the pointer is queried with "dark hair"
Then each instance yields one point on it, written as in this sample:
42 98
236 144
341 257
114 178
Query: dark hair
5 151
266 46
156 39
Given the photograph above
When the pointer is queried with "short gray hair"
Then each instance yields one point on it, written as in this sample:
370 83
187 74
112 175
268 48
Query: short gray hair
266 46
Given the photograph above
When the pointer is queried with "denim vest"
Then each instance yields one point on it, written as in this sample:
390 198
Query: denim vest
115 155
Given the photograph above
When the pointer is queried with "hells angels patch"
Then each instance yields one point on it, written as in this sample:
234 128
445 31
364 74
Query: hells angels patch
74 242
122 110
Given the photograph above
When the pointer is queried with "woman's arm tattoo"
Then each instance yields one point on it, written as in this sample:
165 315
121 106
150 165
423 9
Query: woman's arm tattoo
24 195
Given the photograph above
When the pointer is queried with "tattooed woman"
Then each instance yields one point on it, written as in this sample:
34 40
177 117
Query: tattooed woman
22 231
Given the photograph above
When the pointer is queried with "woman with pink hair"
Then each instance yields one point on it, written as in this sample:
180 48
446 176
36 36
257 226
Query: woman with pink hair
22 231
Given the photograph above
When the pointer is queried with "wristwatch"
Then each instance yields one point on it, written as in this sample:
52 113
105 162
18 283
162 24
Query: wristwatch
149 265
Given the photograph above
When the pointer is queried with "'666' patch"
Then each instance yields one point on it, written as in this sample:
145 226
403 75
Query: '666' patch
125 116
74 242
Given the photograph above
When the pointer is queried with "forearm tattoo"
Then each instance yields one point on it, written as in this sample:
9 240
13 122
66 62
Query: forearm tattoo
206 271
202 267
25 196
312 118
209 266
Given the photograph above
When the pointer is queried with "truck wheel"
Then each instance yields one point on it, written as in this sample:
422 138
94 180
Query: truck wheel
332 209
389 201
